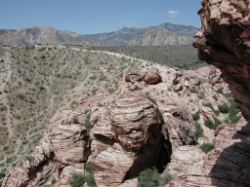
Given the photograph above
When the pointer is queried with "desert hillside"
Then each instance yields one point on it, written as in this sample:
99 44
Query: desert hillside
38 81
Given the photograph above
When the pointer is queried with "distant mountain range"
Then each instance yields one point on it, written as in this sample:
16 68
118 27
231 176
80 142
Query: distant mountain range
161 35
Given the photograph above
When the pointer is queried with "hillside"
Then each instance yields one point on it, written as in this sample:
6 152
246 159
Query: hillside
43 36
164 34
181 56
99 88
38 81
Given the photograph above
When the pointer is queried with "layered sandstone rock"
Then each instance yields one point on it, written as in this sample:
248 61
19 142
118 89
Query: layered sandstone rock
224 41
128 140
65 143
226 166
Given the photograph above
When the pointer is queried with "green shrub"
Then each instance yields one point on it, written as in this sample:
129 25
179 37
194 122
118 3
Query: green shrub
216 112
206 148
220 90
89 176
209 124
196 116
53 181
2 174
88 125
149 178
233 116
224 108
199 131
213 124
77 180
208 105
217 122
165 179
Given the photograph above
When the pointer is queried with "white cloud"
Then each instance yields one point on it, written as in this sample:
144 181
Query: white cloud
173 13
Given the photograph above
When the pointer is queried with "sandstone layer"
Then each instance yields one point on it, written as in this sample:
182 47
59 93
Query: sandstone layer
224 41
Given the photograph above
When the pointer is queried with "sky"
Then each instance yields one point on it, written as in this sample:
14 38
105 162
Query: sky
97 16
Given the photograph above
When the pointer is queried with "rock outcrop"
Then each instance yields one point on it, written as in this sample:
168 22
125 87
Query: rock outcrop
226 166
224 41
65 144
134 129
128 141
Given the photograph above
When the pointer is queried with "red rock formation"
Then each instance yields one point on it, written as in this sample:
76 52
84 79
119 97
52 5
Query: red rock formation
224 41
127 138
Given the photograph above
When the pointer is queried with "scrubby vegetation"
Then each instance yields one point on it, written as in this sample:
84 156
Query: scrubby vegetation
151 178
184 57
78 180
196 116
2 175
199 131
206 148
44 79
213 124
233 114
88 125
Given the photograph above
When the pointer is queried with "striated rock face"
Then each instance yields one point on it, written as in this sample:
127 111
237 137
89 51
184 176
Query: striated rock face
65 143
127 141
178 122
224 41
134 116
68 138
226 166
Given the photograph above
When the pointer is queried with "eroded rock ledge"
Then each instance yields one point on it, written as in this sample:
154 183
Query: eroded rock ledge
224 41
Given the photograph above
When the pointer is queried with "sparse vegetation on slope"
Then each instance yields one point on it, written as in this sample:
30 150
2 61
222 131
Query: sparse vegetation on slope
37 81
184 57
151 178
206 148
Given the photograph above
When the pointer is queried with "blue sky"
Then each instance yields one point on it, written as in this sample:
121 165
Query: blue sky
95 16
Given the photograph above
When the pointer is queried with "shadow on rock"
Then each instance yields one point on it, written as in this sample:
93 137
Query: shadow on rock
232 167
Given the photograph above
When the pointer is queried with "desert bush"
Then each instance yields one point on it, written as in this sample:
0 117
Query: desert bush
77 180
224 108
206 148
199 131
233 116
196 116
220 90
209 124
89 176
151 178
213 124
2 174
88 125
